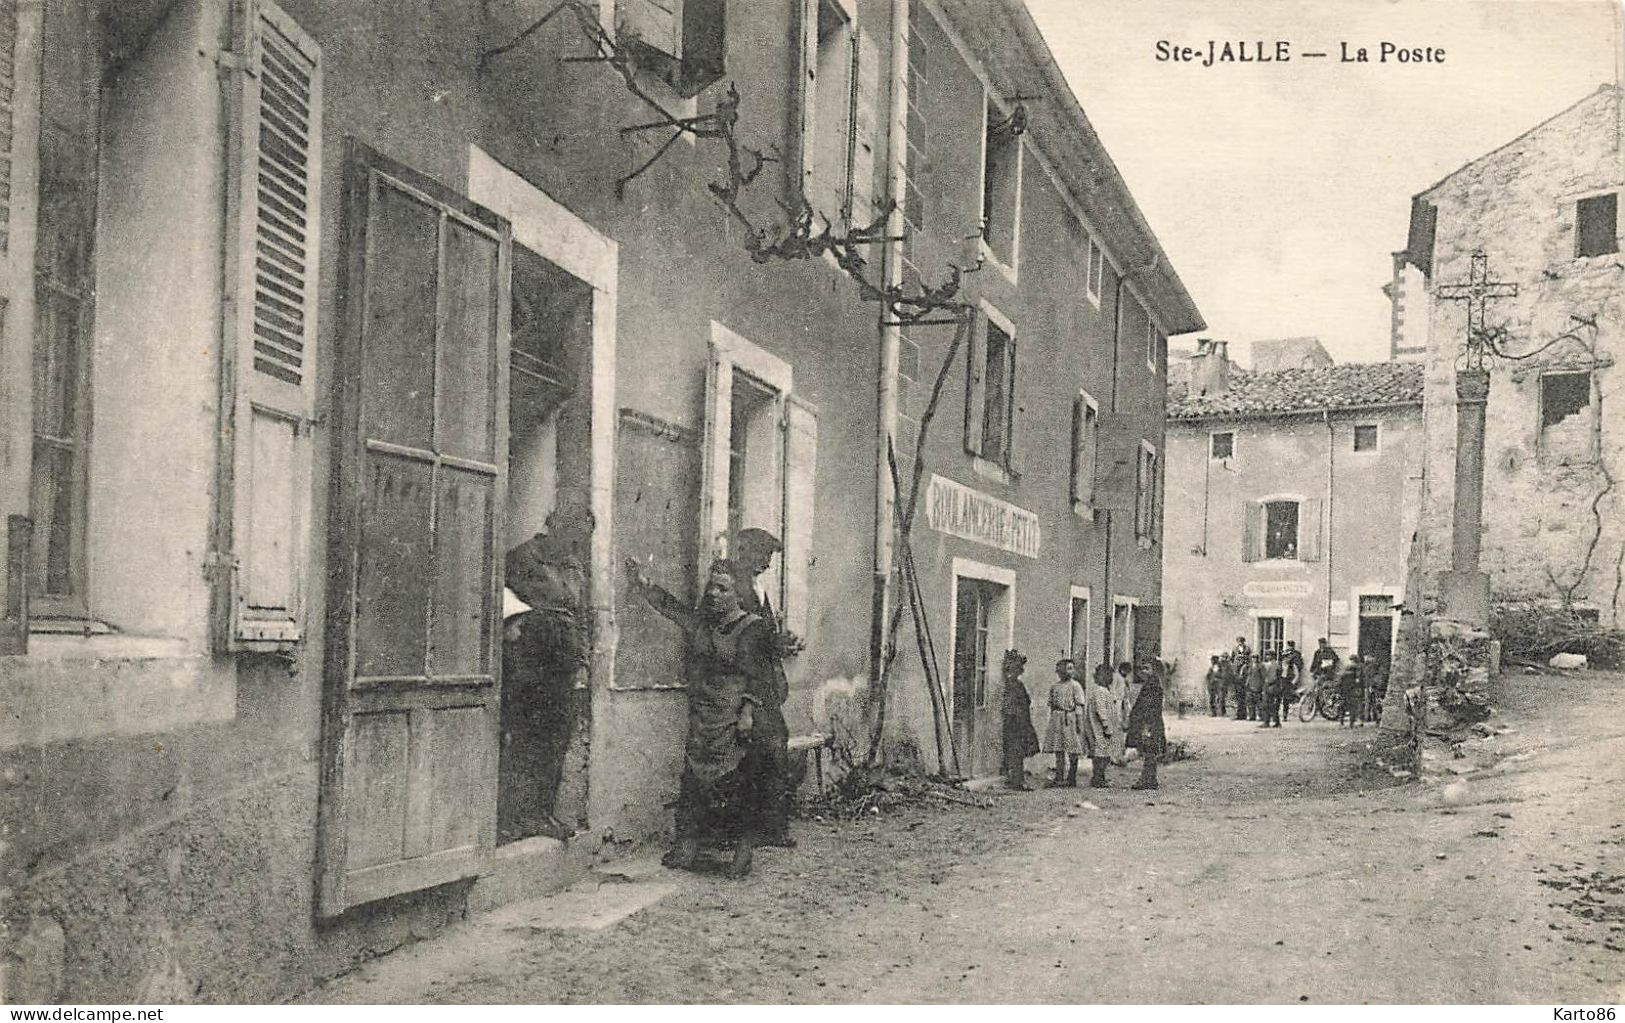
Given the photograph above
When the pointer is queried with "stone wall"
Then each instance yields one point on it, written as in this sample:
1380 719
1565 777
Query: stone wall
1554 522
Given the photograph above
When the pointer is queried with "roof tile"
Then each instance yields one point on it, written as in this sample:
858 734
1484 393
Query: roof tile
1289 391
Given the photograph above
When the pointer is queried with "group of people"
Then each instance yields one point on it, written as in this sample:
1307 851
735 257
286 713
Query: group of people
1264 687
1100 720
734 785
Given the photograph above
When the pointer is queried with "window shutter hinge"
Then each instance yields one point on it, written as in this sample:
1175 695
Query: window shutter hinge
218 564
231 60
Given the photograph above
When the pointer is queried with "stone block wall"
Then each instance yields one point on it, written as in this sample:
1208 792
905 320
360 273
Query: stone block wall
1554 518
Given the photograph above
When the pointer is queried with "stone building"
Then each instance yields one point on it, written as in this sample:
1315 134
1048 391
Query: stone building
313 311
1292 496
1544 209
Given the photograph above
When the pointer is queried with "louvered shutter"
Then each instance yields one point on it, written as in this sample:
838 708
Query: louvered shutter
1252 531
277 226
800 481
975 383
1118 461
1309 513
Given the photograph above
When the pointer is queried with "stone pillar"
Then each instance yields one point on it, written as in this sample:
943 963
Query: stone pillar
1465 589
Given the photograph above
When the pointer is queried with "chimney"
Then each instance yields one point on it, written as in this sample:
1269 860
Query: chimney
1210 367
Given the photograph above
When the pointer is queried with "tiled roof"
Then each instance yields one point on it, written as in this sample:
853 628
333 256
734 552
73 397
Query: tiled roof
1290 391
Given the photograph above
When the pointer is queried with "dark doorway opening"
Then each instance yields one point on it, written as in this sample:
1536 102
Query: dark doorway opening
1375 644
542 768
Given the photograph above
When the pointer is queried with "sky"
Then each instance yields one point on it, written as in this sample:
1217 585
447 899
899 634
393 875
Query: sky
1279 190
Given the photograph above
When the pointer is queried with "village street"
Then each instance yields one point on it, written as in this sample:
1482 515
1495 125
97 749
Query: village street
1272 868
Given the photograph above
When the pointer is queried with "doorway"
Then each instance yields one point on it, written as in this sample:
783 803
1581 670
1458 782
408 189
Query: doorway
981 633
546 712
1375 643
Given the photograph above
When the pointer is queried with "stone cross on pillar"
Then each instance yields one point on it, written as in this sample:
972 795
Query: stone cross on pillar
1465 589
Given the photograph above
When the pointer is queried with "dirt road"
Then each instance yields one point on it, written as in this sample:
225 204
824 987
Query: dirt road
1273 868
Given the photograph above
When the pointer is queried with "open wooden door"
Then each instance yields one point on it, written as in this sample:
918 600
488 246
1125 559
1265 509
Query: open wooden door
410 725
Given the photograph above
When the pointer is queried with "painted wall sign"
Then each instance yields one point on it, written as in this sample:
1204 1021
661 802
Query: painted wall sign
1276 588
957 510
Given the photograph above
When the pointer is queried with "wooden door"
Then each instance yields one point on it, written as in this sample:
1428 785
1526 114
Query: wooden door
410 727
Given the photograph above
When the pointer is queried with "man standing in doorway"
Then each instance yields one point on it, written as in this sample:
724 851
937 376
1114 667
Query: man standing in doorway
1291 676
753 552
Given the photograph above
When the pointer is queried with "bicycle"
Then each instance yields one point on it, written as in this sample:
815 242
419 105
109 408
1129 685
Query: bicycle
1321 698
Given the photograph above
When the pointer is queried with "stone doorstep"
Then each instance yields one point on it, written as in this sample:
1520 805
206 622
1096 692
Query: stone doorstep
530 868
597 901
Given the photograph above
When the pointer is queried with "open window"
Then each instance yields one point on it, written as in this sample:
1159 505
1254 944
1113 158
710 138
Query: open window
1095 280
1282 529
1367 438
1147 491
1001 182
990 399
838 114
683 42
1222 445
1596 225
760 467
1078 631
1567 417
1085 452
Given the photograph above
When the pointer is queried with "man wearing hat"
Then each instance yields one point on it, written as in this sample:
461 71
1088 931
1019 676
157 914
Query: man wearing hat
753 552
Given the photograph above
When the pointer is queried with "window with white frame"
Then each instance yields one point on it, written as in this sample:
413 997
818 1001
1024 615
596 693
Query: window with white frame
1146 526
838 115
1078 631
990 393
1001 181
1282 529
682 42
761 452
1271 635
1155 345
1085 451
1096 272
126 103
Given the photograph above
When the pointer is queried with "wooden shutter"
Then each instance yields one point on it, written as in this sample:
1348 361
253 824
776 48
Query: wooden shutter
1309 513
800 486
1075 491
410 715
1012 412
975 383
864 146
719 375
1147 632
1252 531
1118 461
275 220
657 24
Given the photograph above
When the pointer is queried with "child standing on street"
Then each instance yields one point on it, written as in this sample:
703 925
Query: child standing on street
1064 737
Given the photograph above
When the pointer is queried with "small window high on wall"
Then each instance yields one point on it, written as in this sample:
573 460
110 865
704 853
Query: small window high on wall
1596 225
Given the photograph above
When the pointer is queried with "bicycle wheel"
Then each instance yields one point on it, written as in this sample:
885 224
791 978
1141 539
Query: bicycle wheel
1330 704
1306 707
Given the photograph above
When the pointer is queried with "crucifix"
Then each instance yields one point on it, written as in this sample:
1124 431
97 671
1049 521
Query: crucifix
1476 291
1465 589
